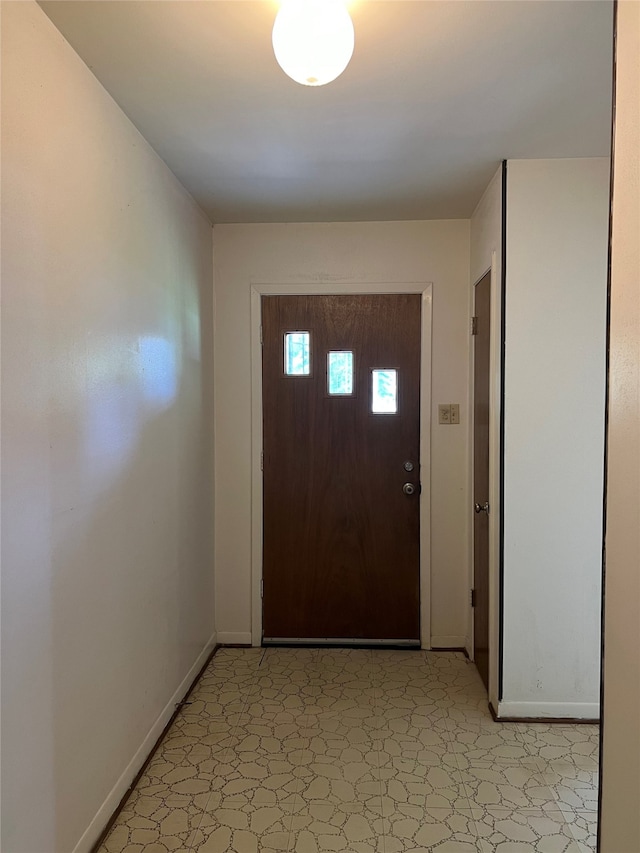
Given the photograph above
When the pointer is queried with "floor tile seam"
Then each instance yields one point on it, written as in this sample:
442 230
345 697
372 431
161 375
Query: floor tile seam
525 810
213 694
244 708
216 691
498 764
548 806
462 784
289 836
196 828
573 829
537 775
529 813
298 805
531 749
478 836
227 750
450 727
551 763
464 811
191 847
380 776
576 810
191 841
459 762
227 665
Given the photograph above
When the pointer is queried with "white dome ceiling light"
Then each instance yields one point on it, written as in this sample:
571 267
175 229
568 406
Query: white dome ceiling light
313 40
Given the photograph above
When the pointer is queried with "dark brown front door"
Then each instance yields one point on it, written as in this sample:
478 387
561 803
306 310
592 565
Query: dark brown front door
341 417
481 476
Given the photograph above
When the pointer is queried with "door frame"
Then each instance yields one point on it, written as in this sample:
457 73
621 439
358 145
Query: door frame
495 465
260 289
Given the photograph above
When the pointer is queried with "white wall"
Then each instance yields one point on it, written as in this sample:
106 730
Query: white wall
486 254
107 599
557 232
620 779
486 230
435 252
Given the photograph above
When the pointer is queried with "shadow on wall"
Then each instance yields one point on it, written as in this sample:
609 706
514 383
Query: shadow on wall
132 585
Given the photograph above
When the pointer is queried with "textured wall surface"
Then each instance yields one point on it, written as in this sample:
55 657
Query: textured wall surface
556 268
107 588
437 252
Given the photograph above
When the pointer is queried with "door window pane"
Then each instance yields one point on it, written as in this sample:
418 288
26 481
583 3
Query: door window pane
340 373
297 347
384 392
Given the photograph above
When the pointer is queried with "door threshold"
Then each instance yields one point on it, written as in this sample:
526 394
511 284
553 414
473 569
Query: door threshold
339 641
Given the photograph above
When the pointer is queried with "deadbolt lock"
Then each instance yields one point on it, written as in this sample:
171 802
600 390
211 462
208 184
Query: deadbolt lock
408 466
409 489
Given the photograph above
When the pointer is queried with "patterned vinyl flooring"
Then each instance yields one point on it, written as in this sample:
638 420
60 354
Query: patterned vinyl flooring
370 751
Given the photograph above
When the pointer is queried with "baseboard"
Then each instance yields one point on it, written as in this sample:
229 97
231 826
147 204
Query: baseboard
568 712
234 638
106 810
452 641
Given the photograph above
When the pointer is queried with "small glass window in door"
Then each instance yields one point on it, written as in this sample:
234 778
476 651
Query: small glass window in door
384 391
340 374
297 353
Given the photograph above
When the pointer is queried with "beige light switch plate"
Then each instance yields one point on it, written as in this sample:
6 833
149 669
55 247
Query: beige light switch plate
448 413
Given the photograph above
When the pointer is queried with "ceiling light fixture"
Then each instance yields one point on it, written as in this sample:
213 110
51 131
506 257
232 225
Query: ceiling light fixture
313 40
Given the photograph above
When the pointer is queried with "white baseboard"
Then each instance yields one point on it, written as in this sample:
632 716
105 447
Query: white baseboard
234 638
92 833
556 710
452 641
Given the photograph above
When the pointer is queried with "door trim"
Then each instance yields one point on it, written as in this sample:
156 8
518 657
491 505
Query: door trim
258 290
495 468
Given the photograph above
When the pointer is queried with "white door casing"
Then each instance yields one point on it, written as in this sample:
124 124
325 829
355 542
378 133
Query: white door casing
269 289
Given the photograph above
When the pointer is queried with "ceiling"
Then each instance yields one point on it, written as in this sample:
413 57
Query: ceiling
437 93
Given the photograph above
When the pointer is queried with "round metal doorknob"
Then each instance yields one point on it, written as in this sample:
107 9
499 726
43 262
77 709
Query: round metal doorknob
409 489
482 507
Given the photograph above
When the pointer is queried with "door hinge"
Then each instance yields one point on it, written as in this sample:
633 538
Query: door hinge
261 337
473 598
262 460
261 589
474 325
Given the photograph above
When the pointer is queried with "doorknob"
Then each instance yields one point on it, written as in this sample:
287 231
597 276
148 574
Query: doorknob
409 489
482 507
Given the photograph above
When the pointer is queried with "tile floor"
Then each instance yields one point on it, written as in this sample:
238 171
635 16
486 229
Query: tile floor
313 750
